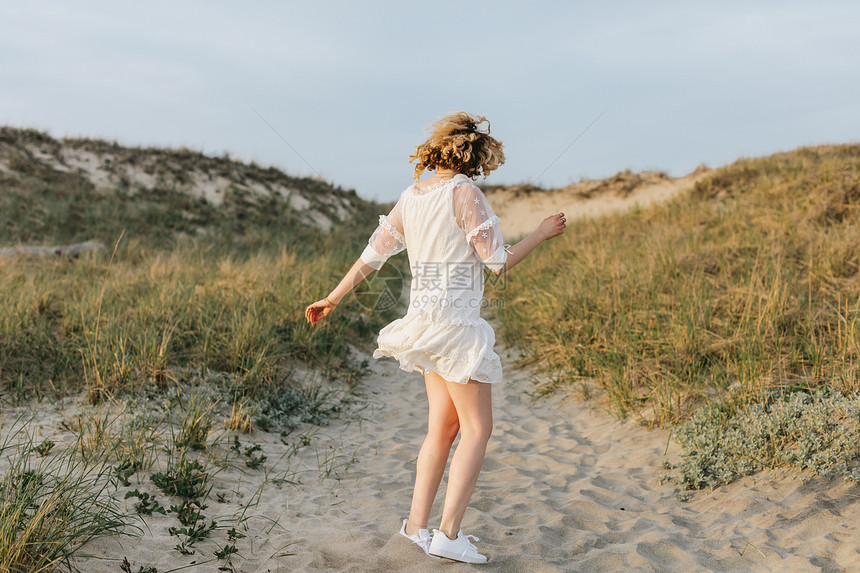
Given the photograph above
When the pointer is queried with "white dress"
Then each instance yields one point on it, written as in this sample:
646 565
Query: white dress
450 232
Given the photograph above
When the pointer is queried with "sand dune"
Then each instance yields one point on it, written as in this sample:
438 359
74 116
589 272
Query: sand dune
521 209
564 488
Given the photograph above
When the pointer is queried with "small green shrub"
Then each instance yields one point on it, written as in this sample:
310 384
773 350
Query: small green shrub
186 479
287 406
254 462
147 504
817 431
44 448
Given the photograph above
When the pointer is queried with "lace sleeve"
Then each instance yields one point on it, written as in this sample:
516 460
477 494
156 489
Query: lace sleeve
387 240
480 225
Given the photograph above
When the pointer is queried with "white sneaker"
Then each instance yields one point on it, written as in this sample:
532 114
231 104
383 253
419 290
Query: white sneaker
422 540
460 549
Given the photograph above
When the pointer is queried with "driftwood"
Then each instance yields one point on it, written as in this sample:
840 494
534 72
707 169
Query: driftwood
66 251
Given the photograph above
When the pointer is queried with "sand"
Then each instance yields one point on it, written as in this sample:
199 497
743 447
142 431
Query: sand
564 488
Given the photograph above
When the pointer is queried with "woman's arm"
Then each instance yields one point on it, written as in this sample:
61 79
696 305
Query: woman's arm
323 308
550 227
481 227
386 240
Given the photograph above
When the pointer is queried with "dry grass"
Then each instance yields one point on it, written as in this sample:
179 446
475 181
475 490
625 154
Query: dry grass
747 286
151 318
241 416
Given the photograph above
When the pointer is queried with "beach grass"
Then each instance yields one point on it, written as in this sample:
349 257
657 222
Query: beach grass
148 319
53 501
741 292
160 452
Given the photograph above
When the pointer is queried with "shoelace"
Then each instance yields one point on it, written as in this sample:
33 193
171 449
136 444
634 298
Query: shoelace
466 536
469 544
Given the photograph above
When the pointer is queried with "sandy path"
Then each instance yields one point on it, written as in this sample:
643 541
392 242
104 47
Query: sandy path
563 489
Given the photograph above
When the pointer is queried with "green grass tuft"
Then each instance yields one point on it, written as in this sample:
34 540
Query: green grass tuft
52 504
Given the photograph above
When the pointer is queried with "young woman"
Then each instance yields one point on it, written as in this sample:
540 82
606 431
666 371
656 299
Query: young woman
450 232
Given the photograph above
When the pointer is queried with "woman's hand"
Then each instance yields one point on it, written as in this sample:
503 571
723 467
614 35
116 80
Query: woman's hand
319 310
552 226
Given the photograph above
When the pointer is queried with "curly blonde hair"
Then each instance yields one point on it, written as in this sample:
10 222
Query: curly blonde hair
456 143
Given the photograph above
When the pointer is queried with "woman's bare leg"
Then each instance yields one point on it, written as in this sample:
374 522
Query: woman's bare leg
442 428
473 402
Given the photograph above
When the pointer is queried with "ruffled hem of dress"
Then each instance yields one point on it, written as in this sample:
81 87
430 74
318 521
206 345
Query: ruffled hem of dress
456 353
408 365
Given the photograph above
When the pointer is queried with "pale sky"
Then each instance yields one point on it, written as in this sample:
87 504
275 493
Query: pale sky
352 86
